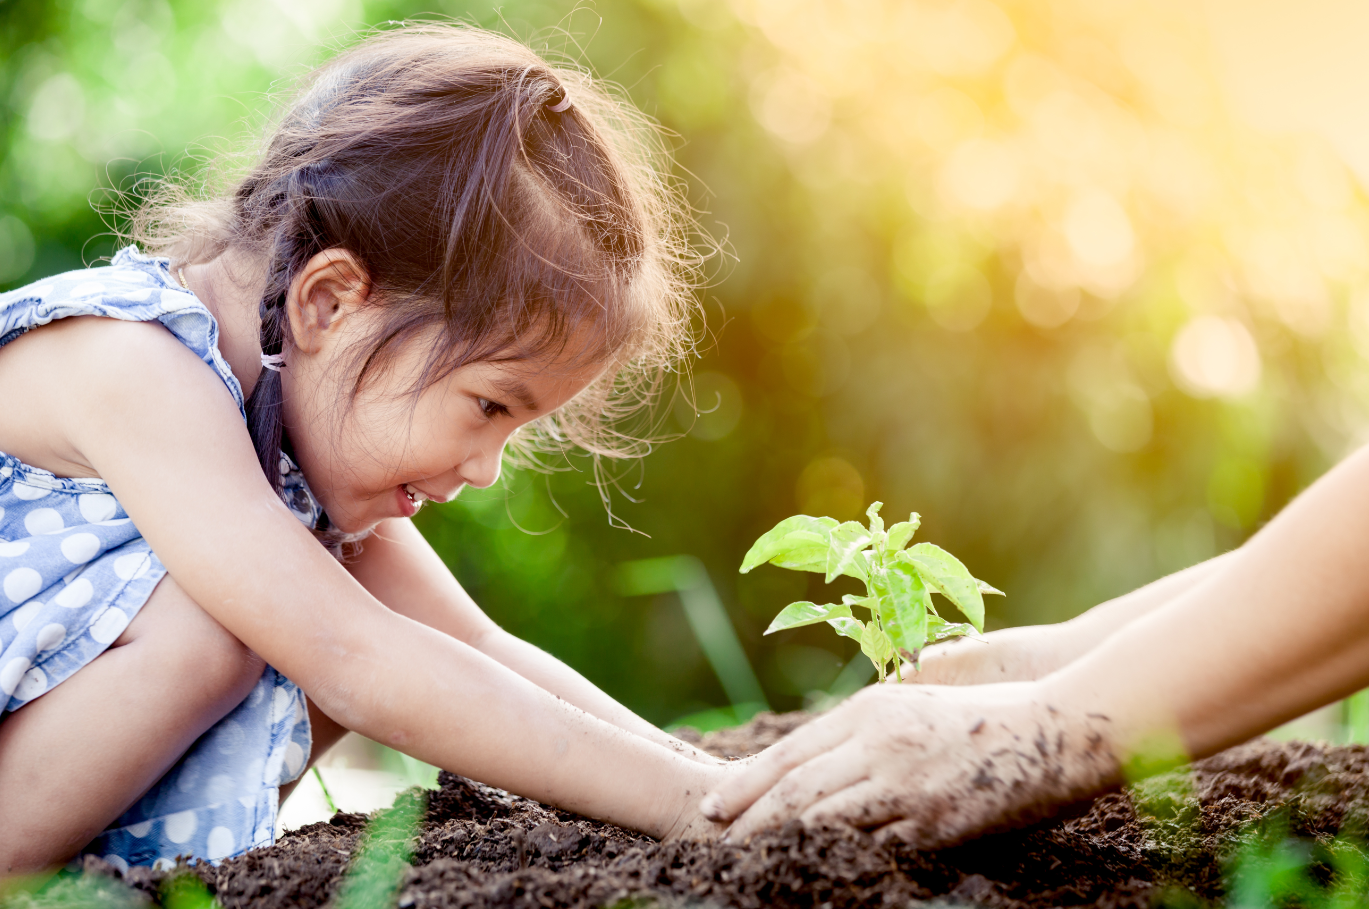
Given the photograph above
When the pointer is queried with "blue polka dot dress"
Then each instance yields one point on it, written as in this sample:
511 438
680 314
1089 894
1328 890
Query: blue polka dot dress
74 571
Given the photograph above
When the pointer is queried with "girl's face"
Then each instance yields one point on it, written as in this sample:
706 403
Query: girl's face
388 452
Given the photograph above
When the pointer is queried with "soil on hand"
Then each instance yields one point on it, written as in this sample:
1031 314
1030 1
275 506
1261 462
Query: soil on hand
1170 839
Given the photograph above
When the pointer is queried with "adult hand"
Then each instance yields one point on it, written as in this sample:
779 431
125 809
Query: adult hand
1007 655
931 765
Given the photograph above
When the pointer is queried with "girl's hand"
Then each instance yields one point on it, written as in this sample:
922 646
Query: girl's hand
690 823
694 827
933 766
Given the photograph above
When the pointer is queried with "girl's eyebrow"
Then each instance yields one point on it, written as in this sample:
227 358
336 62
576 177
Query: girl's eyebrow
513 388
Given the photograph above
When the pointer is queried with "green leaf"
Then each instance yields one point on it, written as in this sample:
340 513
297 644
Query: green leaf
986 589
945 574
938 629
903 580
904 610
901 534
876 522
876 645
844 553
800 543
870 603
849 628
796 615
905 621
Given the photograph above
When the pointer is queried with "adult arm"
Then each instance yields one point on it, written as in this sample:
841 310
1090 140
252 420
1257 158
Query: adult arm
1035 651
150 419
400 568
1281 627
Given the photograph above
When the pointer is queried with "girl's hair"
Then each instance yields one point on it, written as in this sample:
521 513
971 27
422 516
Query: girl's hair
503 208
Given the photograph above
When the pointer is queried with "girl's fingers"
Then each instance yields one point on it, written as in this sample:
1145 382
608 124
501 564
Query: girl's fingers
811 782
741 789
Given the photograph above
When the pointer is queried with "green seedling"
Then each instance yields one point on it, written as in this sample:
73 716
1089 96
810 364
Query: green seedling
899 583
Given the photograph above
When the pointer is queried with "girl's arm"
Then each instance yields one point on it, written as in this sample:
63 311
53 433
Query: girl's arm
399 568
1279 628
147 416
1035 651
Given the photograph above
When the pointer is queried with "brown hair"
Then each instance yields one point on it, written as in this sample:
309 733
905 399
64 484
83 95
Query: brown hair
509 206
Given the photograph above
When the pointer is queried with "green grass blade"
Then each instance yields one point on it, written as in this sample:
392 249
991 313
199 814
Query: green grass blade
327 796
378 870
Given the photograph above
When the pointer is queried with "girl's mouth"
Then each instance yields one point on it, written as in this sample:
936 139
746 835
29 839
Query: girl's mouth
411 499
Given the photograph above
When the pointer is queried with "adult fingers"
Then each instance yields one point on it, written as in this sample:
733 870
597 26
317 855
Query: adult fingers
829 772
909 831
741 789
865 804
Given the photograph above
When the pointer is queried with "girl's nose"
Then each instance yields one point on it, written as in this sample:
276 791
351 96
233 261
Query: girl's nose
481 469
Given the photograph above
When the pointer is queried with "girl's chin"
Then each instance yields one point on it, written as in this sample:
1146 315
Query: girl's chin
375 511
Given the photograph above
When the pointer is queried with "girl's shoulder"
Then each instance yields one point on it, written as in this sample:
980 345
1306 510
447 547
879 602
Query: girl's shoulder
133 288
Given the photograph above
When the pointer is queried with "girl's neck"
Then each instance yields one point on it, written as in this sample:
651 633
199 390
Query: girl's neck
229 287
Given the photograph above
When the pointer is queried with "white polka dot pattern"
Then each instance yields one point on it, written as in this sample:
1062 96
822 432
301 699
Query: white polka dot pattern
50 636
42 521
219 843
132 566
34 683
22 583
80 548
97 506
11 673
26 492
109 625
180 826
24 614
75 595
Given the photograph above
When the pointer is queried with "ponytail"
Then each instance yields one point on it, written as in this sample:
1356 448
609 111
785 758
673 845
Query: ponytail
265 414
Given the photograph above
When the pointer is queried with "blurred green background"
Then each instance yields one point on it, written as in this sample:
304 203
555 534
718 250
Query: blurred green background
1030 269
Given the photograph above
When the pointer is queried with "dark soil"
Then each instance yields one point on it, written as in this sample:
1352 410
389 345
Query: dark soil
482 847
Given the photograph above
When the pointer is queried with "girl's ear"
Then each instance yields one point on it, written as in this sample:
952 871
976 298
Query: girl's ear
331 286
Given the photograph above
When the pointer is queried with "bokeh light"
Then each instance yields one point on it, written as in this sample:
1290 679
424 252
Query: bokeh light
1086 284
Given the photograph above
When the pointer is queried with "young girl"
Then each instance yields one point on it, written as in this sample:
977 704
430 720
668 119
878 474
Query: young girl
445 239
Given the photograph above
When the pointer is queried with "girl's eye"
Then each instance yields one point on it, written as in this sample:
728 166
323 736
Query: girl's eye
492 409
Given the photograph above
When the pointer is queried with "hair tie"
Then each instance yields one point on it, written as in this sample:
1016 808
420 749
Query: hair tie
273 362
560 106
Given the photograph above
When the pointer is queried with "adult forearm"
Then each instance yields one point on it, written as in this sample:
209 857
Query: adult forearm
1086 631
1280 628
549 673
1034 651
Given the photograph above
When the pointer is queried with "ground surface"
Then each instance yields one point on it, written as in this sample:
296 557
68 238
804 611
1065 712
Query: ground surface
480 847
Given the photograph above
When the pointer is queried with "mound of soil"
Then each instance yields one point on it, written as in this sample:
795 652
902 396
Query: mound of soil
1168 840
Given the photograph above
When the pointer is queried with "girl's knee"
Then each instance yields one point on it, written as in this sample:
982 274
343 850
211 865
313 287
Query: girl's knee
236 669
193 644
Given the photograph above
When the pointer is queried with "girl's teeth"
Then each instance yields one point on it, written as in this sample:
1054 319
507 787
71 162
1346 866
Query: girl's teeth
414 495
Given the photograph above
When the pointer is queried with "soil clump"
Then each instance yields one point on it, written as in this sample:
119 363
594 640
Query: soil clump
1169 840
